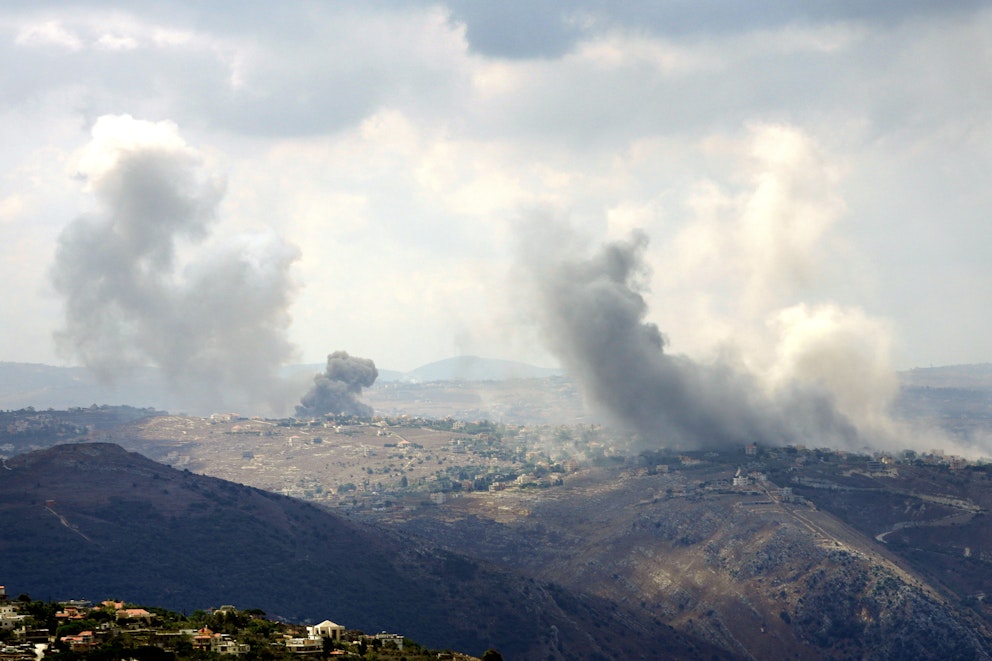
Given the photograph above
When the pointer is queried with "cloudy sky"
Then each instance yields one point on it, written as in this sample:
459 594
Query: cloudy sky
355 176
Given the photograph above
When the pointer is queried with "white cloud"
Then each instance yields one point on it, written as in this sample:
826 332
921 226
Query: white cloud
49 33
11 207
116 136
115 42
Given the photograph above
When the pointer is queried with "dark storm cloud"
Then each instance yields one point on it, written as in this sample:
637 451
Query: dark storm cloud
592 315
215 324
546 28
336 391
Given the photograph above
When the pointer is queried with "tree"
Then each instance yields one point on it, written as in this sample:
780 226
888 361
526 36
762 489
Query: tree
491 655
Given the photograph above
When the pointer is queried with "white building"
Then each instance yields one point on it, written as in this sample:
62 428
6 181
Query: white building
9 617
325 629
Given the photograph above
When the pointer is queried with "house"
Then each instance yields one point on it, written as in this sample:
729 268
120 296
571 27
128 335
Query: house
306 646
9 615
220 643
227 645
81 642
69 613
133 614
393 638
201 641
326 629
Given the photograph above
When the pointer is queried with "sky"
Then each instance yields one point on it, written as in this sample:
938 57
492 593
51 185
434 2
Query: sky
201 184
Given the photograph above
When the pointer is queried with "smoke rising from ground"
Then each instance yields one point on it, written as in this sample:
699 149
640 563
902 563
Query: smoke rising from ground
337 390
145 283
592 315
742 283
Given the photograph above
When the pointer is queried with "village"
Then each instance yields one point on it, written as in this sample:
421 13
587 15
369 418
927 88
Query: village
388 465
34 630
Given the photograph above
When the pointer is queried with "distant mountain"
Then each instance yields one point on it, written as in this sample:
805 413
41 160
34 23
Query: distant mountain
960 394
314 369
47 386
93 521
474 368
977 376
457 368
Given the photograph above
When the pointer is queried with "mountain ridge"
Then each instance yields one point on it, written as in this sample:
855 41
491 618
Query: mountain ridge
58 387
443 388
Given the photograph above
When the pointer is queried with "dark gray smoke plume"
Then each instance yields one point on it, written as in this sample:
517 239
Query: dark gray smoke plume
142 284
592 316
336 391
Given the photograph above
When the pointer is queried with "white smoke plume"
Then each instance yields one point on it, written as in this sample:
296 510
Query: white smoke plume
592 314
145 283
743 280
337 389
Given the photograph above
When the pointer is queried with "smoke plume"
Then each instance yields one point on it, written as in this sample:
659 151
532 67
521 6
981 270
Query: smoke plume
591 312
337 390
746 277
145 283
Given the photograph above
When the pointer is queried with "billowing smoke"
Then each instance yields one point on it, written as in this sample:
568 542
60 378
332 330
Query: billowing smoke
591 312
746 278
337 390
145 283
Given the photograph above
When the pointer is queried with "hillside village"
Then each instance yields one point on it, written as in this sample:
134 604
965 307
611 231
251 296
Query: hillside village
399 463
77 629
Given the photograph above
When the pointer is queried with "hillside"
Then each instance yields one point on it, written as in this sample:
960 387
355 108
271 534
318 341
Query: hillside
94 521
759 574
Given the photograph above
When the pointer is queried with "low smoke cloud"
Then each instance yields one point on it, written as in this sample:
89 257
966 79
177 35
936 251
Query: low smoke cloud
337 390
591 312
145 283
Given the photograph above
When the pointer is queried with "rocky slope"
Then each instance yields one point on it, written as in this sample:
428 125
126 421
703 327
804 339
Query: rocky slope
758 577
